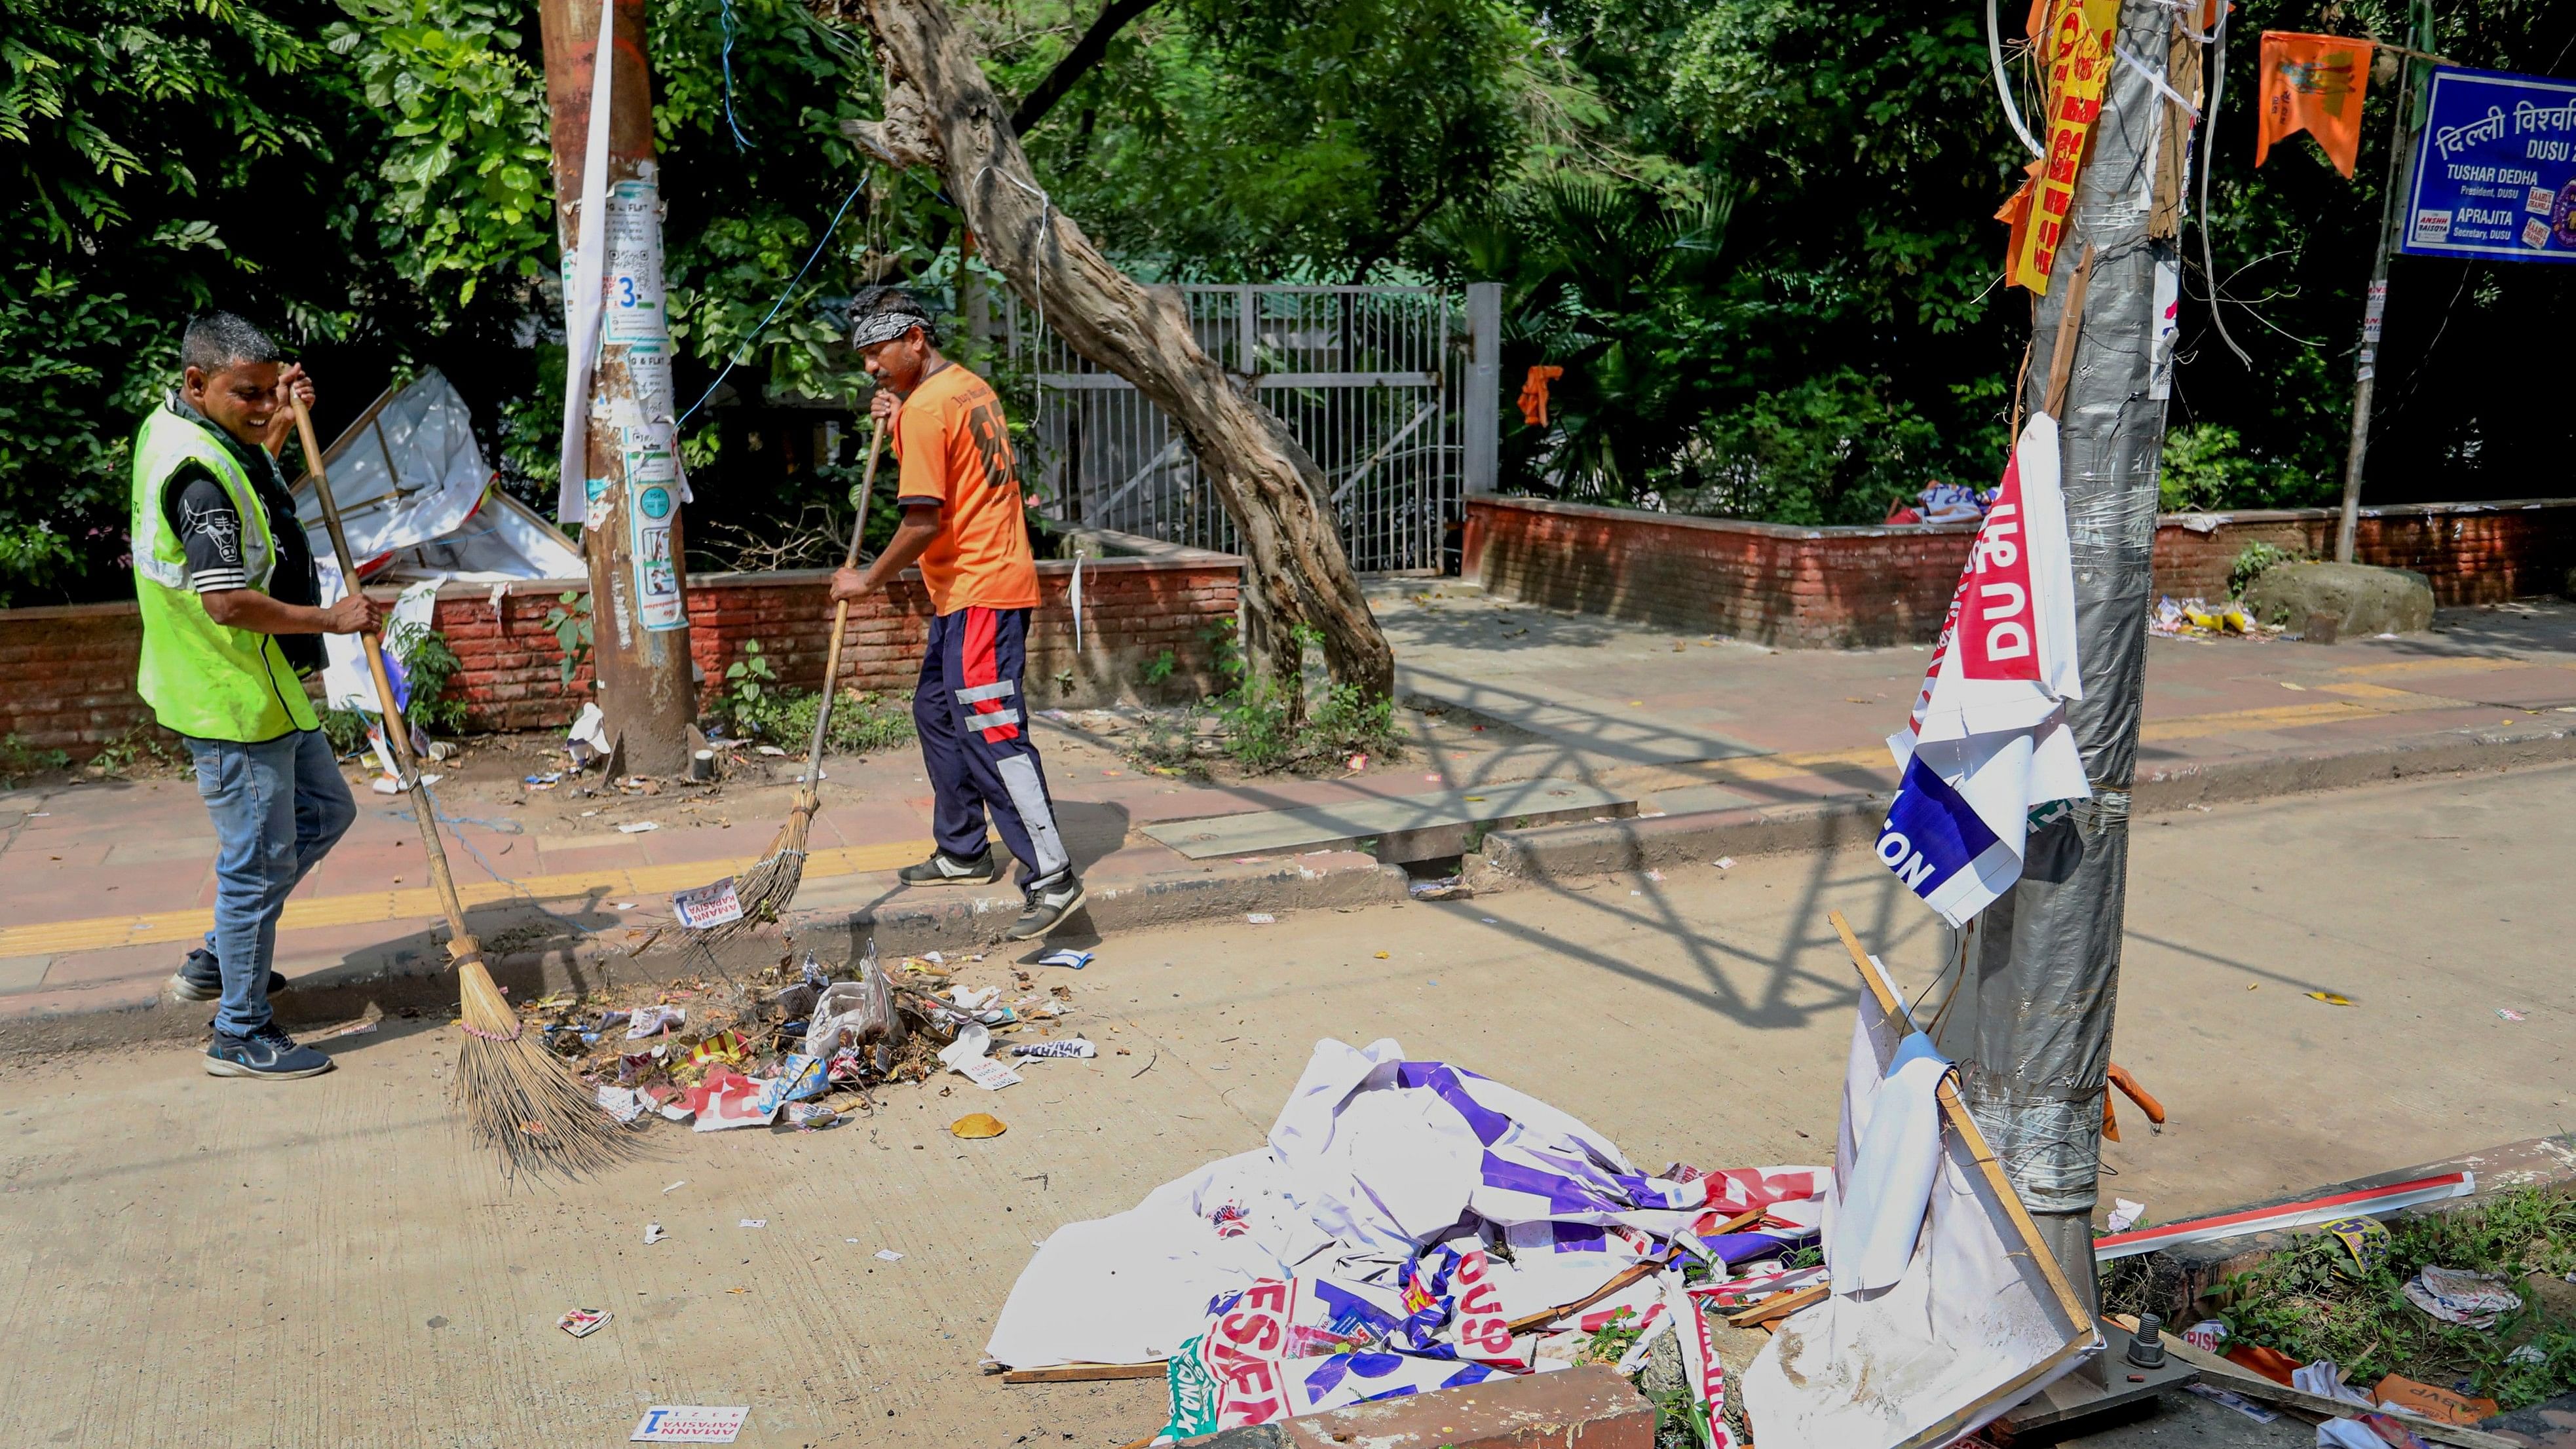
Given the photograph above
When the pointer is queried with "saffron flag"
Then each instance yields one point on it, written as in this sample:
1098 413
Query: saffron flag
1988 741
2313 83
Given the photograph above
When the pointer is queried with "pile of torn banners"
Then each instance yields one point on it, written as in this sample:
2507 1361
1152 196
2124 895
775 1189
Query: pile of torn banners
1413 1226
758 1060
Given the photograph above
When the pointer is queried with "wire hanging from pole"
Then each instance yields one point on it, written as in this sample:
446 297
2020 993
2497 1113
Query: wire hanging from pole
740 141
2003 82
2208 154
754 335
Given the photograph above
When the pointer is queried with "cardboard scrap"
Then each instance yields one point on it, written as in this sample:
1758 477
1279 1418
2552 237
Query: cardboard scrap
2433 1403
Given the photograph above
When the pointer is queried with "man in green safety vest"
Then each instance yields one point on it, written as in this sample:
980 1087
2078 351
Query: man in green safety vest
231 621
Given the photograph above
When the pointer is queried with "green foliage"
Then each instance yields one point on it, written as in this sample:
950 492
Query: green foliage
2250 564
569 622
154 152
749 698
2207 468
1267 729
2303 1303
1833 449
18 760
1304 139
429 665
863 721
468 197
754 706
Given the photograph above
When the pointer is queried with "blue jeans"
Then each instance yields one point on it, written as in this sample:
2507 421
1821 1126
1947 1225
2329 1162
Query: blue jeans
278 807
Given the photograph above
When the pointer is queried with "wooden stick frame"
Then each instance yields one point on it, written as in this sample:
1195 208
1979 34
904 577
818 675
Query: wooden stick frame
1954 1115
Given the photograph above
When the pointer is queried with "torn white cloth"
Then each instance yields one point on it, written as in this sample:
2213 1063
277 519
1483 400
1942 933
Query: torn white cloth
1988 739
1889 1154
1973 1326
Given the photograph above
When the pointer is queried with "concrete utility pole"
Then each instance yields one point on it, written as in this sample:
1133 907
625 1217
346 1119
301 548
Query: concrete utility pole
639 611
2392 216
2030 1024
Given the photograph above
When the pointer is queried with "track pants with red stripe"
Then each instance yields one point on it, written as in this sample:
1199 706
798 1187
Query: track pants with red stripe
968 710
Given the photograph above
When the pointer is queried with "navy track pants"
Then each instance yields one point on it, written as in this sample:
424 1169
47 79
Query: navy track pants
975 740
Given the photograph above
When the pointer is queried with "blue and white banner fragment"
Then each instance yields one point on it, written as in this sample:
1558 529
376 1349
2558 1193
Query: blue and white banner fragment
1988 740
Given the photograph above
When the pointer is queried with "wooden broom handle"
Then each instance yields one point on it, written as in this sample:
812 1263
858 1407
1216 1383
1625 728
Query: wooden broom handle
397 728
840 625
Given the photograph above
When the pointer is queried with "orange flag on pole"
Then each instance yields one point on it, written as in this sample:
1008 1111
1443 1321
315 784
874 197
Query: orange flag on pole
2313 83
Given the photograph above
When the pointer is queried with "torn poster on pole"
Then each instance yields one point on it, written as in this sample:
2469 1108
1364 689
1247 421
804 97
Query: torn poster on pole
1977 1320
1987 749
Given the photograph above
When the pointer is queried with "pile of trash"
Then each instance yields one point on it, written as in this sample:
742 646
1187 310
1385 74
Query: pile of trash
797 1045
1943 503
1412 1226
2196 618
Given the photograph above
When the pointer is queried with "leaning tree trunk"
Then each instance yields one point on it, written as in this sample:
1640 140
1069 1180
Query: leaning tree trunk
940 112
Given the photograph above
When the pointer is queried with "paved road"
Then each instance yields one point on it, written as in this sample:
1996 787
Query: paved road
195 1261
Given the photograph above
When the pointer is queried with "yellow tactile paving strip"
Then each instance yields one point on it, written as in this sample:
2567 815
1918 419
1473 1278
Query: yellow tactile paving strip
365 907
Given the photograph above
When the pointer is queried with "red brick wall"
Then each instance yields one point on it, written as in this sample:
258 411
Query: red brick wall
1843 587
67 674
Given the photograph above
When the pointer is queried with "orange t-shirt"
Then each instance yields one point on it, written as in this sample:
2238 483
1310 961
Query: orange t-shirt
955 452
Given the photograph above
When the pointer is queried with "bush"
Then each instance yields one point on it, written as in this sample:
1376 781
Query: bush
430 665
1256 714
18 760
863 722
2311 1301
2251 563
2206 467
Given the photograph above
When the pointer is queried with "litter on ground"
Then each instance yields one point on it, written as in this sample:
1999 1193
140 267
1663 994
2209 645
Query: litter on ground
1412 1225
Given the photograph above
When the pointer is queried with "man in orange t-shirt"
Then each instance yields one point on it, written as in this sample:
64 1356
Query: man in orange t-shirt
962 522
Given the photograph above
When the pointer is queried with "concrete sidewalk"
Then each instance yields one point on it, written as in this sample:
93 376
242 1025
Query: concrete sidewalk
1725 746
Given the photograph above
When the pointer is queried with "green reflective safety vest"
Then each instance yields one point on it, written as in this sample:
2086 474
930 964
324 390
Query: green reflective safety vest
200 677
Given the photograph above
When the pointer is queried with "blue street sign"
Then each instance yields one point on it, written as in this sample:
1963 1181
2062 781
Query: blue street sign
2495 169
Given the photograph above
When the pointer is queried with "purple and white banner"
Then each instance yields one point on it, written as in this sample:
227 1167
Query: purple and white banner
1988 740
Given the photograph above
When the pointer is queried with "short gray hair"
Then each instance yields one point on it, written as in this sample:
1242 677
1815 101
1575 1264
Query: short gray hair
215 341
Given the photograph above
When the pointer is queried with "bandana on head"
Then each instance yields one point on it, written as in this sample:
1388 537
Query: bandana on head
869 329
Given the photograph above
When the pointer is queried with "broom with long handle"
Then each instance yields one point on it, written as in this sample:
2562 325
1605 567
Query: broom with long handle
519 1097
768 887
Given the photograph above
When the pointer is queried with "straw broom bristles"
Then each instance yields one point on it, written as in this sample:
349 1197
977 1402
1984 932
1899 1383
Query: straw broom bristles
766 890
520 1097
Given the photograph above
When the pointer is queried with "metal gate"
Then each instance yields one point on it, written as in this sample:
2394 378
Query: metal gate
1367 378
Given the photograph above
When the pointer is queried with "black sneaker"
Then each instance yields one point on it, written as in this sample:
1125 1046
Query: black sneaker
1047 910
199 978
267 1052
945 869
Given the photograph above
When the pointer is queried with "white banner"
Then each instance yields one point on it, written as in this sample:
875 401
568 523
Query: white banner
1988 739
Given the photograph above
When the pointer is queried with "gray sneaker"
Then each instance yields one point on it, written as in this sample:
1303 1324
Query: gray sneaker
1047 909
200 979
945 869
267 1052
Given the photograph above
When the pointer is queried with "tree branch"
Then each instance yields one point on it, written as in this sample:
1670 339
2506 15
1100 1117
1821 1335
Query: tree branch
1077 63
1387 244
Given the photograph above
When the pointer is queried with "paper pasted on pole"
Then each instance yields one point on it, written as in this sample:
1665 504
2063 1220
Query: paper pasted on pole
2078 68
2495 169
1988 741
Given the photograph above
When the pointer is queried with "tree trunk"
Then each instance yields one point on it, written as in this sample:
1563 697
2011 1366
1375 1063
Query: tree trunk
940 112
